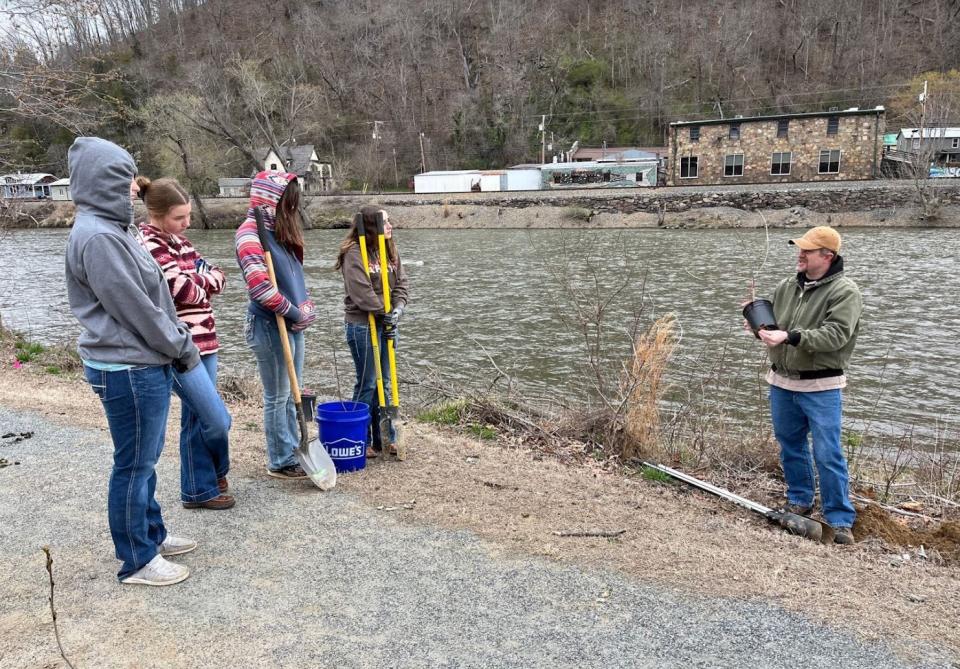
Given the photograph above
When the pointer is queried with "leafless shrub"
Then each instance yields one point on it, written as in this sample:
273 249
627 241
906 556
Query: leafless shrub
235 388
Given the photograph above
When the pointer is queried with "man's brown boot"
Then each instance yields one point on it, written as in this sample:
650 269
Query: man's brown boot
843 535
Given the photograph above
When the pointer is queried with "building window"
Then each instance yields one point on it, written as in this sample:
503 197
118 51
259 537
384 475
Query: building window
273 166
688 168
833 125
780 163
733 165
783 125
955 143
916 143
694 133
734 131
829 162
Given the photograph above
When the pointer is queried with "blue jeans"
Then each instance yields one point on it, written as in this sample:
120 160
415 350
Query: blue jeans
136 402
279 412
795 415
204 431
365 389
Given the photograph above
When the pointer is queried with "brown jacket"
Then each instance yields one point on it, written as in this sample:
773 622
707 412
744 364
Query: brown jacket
365 295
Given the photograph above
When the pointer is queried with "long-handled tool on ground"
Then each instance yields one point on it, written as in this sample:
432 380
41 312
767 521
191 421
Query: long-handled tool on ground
799 525
385 418
311 455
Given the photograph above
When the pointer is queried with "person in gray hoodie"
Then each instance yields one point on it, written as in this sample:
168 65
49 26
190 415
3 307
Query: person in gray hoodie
130 342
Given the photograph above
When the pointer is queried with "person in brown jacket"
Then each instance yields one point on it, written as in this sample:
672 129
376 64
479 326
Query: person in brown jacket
364 295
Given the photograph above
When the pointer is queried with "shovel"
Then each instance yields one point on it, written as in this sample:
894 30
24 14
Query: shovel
388 415
311 455
791 522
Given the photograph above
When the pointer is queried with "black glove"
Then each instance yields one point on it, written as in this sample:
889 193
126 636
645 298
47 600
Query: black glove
393 318
390 332
187 362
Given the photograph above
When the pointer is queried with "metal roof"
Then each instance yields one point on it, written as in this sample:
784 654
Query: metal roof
746 119
441 173
296 158
596 165
597 153
930 133
27 179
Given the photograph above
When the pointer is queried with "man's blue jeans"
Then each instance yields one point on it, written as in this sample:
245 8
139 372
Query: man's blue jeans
279 412
204 431
136 402
795 415
365 388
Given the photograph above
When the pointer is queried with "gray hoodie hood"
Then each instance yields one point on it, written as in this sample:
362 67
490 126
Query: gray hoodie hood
115 288
100 176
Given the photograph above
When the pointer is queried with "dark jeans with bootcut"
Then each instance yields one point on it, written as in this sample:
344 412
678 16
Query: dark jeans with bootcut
365 389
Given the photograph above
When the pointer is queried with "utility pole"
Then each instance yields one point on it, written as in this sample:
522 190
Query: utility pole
396 178
376 141
423 161
543 139
923 112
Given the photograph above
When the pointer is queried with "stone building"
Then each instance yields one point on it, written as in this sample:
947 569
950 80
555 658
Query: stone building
821 146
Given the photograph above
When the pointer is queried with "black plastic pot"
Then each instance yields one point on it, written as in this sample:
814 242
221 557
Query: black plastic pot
759 315
308 400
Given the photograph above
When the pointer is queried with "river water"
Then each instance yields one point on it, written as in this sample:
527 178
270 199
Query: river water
518 299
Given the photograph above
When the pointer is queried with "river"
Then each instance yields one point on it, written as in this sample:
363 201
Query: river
506 296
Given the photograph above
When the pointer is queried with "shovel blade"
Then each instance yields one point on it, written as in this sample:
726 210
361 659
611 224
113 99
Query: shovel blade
394 415
317 464
384 426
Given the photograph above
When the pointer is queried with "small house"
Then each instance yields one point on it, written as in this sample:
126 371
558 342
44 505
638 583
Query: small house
234 187
60 190
31 186
315 175
941 146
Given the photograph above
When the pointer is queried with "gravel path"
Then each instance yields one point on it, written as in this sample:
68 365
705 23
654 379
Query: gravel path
295 577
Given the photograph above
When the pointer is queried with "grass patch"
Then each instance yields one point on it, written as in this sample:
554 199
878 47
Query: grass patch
581 214
651 474
482 431
448 413
27 351
852 439
52 369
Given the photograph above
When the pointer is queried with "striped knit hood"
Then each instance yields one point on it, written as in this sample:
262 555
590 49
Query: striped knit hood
266 189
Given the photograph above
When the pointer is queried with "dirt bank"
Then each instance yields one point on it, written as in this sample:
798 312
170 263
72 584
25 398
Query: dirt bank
862 204
516 500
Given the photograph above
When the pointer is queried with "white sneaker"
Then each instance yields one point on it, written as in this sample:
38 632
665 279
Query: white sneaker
176 546
158 572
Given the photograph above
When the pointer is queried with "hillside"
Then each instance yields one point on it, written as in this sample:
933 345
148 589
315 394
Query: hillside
194 88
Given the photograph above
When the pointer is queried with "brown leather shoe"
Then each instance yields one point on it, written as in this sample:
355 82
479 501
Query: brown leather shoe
222 485
218 503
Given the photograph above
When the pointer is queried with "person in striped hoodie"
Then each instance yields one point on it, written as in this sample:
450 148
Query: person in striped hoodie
277 195
204 419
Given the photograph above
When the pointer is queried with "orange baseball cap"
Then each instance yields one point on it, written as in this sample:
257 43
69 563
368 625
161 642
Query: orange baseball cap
820 237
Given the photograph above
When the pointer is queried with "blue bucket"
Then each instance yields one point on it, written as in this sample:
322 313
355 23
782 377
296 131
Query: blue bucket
343 432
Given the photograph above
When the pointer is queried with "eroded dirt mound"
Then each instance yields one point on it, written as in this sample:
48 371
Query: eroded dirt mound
873 521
